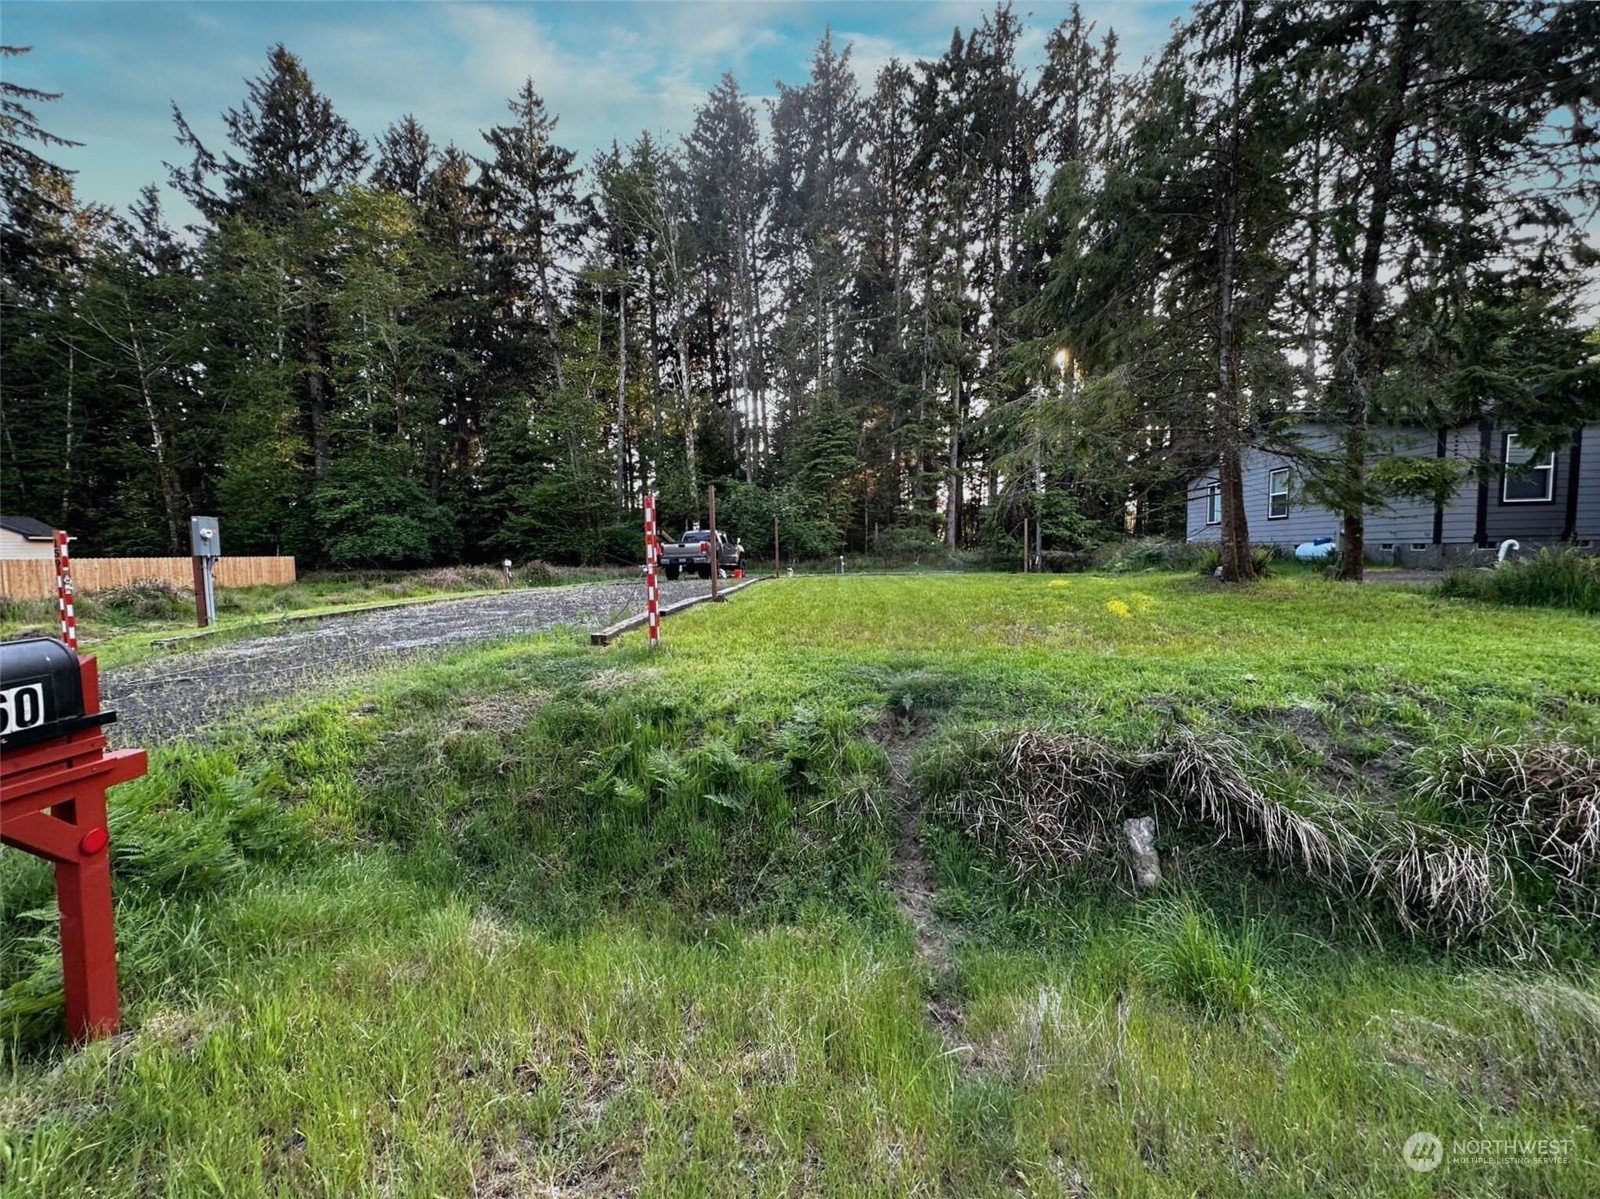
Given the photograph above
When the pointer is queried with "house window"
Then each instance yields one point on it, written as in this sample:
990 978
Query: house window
1419 545
1532 484
1386 546
1214 505
1278 494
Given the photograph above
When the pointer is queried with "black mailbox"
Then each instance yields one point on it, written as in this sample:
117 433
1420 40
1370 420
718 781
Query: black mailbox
41 692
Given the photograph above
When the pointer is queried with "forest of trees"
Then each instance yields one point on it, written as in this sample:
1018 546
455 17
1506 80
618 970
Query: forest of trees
895 312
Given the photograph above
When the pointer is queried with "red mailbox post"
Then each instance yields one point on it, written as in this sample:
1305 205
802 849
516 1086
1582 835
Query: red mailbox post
54 771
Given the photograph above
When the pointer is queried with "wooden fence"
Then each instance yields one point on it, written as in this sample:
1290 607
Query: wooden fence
29 578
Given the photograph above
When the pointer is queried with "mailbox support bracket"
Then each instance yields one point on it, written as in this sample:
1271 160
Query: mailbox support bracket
53 804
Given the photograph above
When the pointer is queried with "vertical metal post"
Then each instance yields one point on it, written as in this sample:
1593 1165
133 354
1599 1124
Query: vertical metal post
652 552
64 606
716 557
1027 547
211 591
774 547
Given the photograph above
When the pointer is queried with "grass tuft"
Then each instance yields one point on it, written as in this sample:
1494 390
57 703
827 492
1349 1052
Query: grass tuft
1552 578
1183 949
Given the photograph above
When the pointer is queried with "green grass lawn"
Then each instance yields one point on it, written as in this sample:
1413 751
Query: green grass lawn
546 920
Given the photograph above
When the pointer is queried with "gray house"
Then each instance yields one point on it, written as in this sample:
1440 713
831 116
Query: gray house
1543 500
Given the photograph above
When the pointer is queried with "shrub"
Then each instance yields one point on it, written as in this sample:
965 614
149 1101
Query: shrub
1154 553
746 511
1261 557
368 514
622 542
1057 561
142 599
906 542
1550 579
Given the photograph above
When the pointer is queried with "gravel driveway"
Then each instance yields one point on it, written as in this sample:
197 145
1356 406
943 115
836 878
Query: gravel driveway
176 694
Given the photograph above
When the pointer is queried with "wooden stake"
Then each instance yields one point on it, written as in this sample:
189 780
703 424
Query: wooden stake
716 563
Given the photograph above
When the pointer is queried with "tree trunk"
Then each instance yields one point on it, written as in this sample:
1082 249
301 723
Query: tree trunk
548 311
952 519
171 497
67 443
316 394
622 396
1360 358
1237 565
1235 529
688 415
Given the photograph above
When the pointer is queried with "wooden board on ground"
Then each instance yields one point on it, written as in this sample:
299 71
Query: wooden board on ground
609 634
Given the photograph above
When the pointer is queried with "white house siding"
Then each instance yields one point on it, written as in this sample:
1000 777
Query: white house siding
15 545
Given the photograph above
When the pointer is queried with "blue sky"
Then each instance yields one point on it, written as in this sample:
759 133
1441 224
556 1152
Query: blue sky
608 69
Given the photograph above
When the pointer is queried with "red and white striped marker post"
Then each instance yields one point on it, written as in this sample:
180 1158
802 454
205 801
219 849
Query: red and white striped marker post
69 619
652 551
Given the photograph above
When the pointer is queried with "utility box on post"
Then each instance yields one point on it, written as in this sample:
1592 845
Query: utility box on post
54 771
205 544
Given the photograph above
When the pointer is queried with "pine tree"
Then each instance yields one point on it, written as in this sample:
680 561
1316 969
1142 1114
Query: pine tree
294 154
46 238
729 180
529 190
140 330
406 158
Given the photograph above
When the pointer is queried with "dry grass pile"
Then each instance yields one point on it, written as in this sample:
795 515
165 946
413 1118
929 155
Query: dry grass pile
1544 797
1055 800
1205 780
1045 801
1512 832
1437 882
482 578
139 600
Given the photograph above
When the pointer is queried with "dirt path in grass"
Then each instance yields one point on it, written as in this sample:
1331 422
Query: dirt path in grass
179 694
914 890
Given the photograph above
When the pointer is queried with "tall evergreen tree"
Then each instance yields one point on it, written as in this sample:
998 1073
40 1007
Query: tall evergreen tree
529 191
269 195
